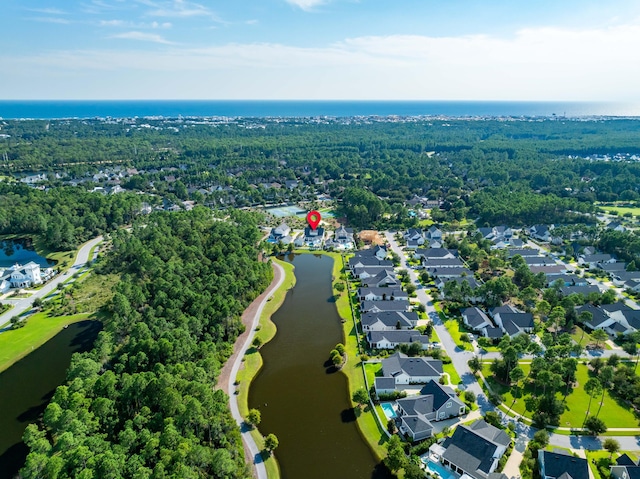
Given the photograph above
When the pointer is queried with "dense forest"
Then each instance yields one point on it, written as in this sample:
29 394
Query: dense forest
569 162
142 404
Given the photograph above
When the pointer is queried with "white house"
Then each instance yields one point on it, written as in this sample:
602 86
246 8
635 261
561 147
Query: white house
24 276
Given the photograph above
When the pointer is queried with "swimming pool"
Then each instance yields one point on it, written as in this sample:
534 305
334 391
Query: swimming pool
439 469
388 409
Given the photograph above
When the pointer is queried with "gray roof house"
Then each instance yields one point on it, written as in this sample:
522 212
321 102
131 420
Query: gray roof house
369 272
515 324
561 465
368 261
436 403
591 260
476 319
384 278
388 320
382 294
442 263
380 306
391 339
449 272
406 370
474 449
435 253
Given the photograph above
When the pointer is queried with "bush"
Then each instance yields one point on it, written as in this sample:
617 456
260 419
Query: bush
469 396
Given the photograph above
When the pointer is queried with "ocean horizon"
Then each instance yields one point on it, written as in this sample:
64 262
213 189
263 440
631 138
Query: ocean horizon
86 109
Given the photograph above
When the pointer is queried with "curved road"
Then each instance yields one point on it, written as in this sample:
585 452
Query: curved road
22 305
253 313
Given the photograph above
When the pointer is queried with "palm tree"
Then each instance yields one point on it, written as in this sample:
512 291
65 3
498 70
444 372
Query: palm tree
599 335
592 388
606 376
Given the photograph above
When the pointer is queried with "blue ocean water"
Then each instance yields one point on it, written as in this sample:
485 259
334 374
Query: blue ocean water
49 109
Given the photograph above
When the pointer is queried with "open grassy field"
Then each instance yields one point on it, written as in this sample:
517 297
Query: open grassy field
613 413
40 327
583 338
621 210
453 326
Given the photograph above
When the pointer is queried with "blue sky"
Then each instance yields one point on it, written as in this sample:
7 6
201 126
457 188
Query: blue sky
321 49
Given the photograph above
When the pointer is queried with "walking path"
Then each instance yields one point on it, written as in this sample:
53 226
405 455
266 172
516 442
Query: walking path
24 304
227 377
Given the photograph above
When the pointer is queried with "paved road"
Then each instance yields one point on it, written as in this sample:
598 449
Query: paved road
524 432
22 305
241 349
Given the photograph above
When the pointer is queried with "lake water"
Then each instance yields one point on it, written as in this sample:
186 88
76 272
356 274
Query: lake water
27 387
303 401
20 251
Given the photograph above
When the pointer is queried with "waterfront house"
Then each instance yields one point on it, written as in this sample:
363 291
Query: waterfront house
388 320
406 370
393 338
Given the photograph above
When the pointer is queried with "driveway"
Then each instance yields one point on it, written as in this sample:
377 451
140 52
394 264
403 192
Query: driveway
25 304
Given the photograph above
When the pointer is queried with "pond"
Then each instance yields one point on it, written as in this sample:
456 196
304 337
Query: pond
27 387
302 400
20 251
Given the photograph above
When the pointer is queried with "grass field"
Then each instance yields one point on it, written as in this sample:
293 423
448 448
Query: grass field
584 339
621 210
453 374
453 326
613 413
16 344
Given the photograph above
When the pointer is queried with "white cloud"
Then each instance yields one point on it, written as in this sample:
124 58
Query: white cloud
61 21
176 9
128 24
533 64
307 5
146 37
48 11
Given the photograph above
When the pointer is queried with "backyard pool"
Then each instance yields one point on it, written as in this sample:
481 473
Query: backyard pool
438 469
388 409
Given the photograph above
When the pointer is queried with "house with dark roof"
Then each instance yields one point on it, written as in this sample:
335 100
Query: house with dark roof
435 253
541 232
538 261
592 260
313 237
414 237
616 226
391 293
388 320
473 449
407 370
561 465
621 278
384 279
342 238
378 251
524 252
280 233
616 267
434 233
435 403
442 263
368 261
449 272
384 306
476 319
391 339
625 468
549 270
582 290
512 321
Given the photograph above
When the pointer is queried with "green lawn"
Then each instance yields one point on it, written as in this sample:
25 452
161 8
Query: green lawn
621 210
40 327
453 374
613 413
372 371
453 326
584 339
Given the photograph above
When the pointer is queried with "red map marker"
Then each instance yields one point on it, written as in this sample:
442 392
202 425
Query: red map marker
313 218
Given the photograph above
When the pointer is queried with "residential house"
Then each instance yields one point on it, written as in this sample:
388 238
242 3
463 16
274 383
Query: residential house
582 290
459 272
434 254
562 465
524 252
435 403
414 237
280 233
343 237
541 232
621 278
549 270
384 278
434 233
566 280
391 339
378 251
367 272
476 319
592 260
512 321
388 320
20 276
538 261
442 263
406 370
473 449
616 226
369 261
381 306
382 294
313 237
599 320
625 468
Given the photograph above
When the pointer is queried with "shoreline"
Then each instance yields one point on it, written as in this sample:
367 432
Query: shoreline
236 375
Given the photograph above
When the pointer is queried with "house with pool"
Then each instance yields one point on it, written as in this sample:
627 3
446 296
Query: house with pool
473 451
415 414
